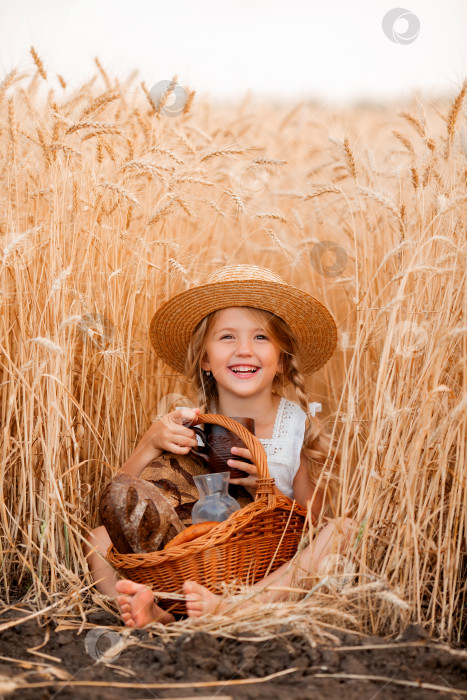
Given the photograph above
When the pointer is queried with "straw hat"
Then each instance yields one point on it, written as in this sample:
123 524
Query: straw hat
311 323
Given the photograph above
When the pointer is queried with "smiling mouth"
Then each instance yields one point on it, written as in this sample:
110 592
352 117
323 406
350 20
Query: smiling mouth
244 371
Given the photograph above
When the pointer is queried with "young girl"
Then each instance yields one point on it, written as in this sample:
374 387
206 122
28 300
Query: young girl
239 338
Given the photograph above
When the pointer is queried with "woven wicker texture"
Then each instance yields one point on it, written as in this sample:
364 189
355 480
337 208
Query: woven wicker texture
252 542
310 321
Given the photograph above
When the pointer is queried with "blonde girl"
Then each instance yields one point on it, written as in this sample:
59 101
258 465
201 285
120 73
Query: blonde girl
241 337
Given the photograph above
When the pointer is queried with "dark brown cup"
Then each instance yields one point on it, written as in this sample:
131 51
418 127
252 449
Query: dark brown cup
217 444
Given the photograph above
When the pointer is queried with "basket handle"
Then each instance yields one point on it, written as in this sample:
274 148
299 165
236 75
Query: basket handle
258 453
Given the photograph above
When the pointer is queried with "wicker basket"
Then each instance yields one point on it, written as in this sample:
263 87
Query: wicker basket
252 542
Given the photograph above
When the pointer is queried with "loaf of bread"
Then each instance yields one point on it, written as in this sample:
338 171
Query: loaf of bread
173 474
137 515
191 533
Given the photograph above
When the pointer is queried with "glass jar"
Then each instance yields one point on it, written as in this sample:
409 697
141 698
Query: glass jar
215 503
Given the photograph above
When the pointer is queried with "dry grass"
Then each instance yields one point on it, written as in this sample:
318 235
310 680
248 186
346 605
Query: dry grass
107 209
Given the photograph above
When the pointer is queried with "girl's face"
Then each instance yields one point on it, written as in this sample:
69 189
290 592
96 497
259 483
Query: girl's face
240 354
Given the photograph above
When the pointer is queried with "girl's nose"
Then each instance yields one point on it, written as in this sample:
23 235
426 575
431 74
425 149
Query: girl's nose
244 348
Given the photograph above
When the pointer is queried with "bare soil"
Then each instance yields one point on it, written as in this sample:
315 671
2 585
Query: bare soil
356 668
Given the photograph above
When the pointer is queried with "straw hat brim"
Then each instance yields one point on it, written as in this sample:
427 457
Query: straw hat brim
310 321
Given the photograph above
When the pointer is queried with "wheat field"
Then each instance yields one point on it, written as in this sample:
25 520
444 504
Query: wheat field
109 206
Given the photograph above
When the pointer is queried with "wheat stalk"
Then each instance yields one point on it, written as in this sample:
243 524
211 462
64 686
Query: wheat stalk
269 161
8 80
168 91
47 344
186 207
146 168
323 189
97 105
175 266
417 125
350 160
226 152
452 118
148 95
381 199
405 141
101 70
189 101
12 123
38 62
166 152
415 177
238 201
96 127
162 211
271 215
115 187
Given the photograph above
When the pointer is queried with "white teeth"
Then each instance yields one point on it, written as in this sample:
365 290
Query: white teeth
244 370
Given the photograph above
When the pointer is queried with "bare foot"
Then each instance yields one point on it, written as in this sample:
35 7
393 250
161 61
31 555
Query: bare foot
200 601
138 606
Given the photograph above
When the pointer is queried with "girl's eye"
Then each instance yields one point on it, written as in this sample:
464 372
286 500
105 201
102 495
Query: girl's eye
260 335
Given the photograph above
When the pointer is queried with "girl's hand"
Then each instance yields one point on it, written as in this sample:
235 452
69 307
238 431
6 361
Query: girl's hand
171 432
250 481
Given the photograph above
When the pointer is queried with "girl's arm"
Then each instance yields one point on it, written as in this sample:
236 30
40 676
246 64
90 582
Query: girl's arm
168 434
143 455
304 491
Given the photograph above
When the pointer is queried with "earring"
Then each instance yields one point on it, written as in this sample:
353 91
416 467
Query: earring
208 373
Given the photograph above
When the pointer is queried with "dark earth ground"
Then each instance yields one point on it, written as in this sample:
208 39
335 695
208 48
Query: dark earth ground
408 663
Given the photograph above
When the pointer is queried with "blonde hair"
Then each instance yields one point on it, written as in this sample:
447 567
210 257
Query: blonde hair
323 458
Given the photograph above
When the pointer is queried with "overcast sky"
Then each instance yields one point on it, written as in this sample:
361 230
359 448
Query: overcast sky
334 50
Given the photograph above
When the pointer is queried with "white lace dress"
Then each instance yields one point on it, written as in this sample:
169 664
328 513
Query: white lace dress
284 447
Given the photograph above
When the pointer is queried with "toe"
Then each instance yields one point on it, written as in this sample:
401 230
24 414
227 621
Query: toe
194 607
128 587
190 587
192 597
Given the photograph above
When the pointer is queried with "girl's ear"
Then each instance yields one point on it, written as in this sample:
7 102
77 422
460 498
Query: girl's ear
205 363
